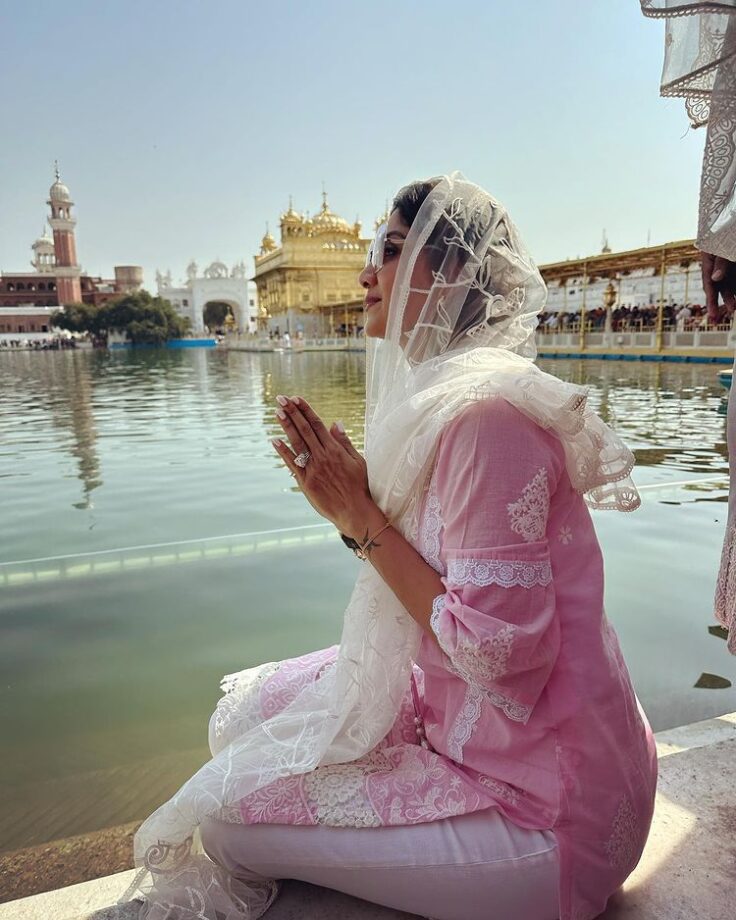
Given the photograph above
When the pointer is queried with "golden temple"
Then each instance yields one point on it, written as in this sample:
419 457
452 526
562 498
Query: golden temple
308 283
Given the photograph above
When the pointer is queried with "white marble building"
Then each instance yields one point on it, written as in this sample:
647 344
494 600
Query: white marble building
639 288
218 284
634 275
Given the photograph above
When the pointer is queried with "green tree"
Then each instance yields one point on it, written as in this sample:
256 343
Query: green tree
215 314
145 319
76 317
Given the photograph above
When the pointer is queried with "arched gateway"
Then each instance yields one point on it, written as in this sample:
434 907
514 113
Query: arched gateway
217 283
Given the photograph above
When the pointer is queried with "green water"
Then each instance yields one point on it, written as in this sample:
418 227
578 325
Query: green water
152 542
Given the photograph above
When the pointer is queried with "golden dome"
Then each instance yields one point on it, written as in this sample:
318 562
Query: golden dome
383 219
268 243
290 216
327 222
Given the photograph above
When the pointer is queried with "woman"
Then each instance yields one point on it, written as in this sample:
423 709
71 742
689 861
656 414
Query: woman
473 748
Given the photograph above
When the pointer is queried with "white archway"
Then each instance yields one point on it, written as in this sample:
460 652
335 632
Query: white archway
239 317
232 291
217 283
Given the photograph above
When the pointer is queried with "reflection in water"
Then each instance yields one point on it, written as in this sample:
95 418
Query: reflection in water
205 558
59 390
182 552
72 410
668 413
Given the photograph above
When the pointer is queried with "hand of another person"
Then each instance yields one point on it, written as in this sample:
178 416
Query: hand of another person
719 278
335 477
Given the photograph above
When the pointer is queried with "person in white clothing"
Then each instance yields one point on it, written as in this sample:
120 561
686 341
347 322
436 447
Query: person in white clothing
683 315
700 65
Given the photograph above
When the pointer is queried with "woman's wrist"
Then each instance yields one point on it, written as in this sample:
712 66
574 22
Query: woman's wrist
363 522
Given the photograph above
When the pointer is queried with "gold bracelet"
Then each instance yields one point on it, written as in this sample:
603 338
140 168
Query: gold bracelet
360 552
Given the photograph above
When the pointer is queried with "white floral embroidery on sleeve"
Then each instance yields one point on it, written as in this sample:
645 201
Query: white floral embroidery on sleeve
474 663
528 515
486 660
506 573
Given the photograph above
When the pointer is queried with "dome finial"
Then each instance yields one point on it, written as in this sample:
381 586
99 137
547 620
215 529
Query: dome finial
268 243
325 206
56 171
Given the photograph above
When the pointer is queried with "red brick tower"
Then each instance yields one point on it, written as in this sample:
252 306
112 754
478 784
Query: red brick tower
65 249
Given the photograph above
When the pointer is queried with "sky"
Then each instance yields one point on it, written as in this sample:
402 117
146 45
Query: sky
181 127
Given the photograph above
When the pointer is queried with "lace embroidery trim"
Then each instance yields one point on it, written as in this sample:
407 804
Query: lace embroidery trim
528 515
470 712
469 662
336 794
516 712
465 721
725 598
502 572
240 708
438 605
431 528
503 790
621 846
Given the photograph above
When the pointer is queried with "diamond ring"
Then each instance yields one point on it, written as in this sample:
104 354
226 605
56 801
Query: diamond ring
302 459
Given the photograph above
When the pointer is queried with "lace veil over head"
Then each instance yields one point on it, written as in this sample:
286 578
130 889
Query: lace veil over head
460 328
472 338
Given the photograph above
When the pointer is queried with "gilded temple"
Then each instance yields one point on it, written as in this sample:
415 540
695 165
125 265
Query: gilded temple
308 282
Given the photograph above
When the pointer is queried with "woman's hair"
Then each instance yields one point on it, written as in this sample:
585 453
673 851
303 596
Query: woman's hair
411 197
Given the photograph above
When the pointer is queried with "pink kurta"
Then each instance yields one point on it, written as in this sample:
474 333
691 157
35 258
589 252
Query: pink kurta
521 700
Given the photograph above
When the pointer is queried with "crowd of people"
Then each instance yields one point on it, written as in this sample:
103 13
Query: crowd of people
686 317
52 343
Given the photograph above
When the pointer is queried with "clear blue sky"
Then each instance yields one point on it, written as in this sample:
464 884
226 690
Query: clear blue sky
182 127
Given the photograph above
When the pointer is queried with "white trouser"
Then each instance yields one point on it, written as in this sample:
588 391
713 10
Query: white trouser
478 866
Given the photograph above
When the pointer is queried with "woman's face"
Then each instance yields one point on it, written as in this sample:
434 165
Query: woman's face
379 284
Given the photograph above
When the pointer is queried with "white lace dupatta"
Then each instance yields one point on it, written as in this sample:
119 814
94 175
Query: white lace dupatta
473 339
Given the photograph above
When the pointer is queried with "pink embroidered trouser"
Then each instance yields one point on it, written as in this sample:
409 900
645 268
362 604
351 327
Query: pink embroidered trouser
478 866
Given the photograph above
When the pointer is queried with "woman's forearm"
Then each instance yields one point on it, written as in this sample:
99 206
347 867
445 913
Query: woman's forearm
414 582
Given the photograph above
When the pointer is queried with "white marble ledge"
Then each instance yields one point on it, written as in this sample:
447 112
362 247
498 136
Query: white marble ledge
687 870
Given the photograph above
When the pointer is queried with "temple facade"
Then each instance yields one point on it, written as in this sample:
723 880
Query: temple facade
308 282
